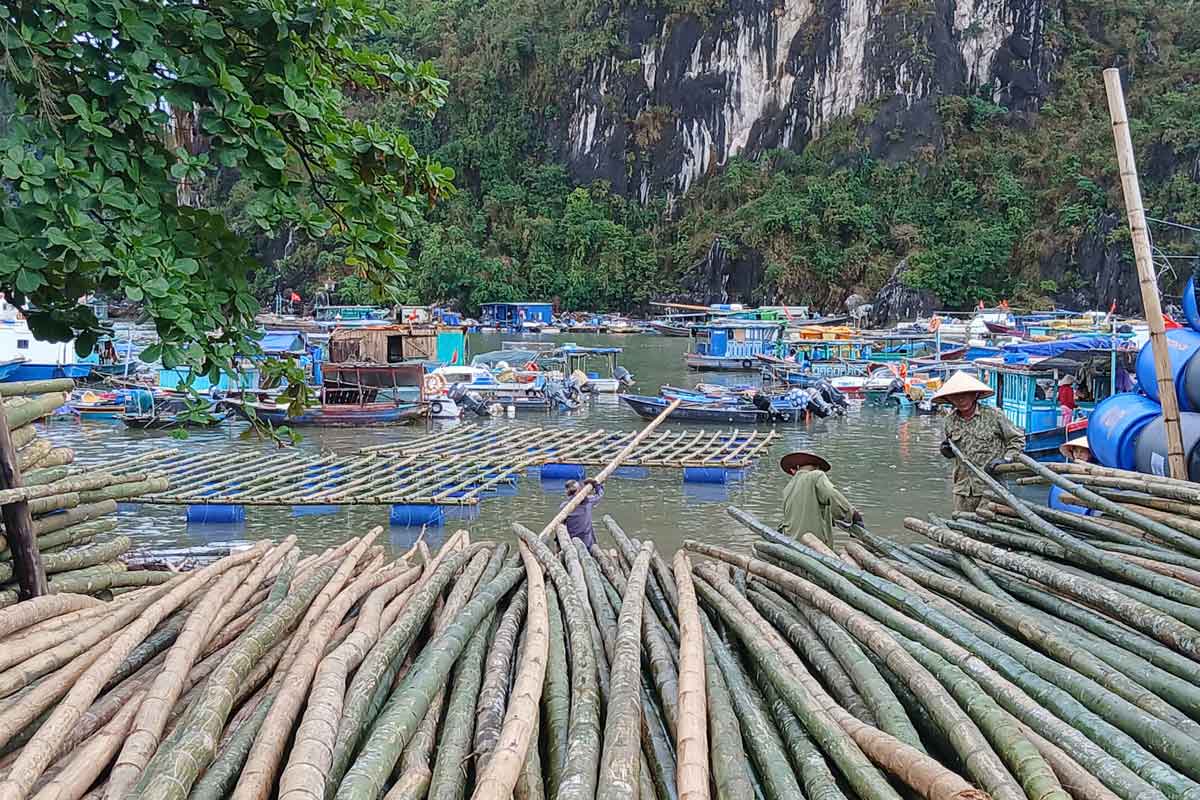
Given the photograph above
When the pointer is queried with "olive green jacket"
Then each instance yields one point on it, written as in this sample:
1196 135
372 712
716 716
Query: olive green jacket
810 505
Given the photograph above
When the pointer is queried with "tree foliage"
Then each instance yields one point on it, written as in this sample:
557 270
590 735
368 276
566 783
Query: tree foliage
124 109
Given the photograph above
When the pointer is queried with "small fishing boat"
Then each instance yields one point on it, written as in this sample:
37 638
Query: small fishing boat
732 345
352 395
328 415
10 366
94 405
678 329
148 410
651 407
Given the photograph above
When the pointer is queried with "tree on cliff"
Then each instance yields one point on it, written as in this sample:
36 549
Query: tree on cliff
120 108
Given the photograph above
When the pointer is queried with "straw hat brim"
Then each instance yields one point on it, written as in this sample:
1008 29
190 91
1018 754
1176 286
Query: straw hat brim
962 383
1078 442
1066 379
801 458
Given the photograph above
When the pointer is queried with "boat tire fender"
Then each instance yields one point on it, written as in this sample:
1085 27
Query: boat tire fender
747 364
435 408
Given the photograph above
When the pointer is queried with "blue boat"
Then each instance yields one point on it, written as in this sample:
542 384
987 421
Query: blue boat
517 317
7 368
733 345
718 413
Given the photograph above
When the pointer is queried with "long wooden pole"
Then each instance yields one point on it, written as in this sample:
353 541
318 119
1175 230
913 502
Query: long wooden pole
586 490
1176 461
18 523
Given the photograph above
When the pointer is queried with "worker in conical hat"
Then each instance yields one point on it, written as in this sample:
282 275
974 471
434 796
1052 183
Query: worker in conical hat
982 433
811 503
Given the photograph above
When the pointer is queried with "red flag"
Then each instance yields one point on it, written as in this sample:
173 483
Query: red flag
1113 308
454 358
1169 323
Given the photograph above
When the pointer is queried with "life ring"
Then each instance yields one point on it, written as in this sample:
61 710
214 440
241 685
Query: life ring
434 384
935 322
532 367
435 408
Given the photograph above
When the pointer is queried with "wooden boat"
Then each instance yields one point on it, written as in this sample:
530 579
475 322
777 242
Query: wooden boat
146 410
337 415
676 329
651 407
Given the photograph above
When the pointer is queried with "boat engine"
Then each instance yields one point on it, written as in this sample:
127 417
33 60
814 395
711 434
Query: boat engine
623 377
471 401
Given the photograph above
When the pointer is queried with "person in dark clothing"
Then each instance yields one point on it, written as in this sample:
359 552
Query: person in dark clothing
579 521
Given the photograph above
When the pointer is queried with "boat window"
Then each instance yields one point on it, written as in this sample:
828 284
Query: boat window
22 344
739 334
395 349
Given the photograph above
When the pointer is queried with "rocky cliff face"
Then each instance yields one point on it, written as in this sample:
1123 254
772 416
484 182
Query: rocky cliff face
687 93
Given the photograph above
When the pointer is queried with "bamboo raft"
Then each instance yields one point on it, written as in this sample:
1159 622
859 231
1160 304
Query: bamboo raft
1014 654
455 468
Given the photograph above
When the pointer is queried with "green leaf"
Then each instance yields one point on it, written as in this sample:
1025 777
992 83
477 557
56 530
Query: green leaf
188 266
133 293
28 280
77 105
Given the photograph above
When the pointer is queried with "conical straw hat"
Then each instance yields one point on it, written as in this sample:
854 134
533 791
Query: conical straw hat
1079 441
962 383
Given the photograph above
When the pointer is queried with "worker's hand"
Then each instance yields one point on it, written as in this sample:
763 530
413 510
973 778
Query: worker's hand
995 463
856 518
946 451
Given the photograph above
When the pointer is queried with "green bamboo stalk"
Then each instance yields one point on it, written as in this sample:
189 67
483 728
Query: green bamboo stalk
583 756
556 699
797 628
818 781
730 766
620 758
449 778
946 640
404 711
493 691
761 737
1137 614
378 670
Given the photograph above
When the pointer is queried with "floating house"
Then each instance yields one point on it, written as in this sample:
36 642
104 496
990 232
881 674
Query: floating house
394 344
516 316
24 357
733 345
329 317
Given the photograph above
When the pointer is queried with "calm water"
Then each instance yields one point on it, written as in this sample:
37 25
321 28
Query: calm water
885 460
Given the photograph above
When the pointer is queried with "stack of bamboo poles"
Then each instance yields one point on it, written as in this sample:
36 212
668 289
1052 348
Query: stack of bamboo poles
1016 655
69 508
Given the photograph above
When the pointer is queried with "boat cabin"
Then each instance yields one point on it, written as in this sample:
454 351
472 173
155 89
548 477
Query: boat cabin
351 316
736 341
515 315
395 344
360 384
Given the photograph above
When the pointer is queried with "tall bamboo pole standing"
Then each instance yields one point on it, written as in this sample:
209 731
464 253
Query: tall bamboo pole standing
18 523
1145 267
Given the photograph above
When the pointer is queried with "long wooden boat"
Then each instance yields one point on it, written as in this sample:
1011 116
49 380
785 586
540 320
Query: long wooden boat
651 407
671 329
335 414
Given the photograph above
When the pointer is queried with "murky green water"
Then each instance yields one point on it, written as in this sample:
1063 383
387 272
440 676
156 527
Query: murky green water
885 460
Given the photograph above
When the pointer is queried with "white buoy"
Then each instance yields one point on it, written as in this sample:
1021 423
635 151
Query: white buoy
511 411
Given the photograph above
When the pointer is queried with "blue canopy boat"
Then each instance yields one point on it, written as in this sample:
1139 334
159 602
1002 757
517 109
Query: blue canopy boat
733 345
651 407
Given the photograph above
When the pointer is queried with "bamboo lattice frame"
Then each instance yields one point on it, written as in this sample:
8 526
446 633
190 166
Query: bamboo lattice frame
457 467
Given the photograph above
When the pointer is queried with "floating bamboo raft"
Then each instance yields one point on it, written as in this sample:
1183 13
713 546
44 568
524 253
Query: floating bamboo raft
455 468
1016 654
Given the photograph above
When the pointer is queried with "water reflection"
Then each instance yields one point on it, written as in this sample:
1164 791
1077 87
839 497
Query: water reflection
887 462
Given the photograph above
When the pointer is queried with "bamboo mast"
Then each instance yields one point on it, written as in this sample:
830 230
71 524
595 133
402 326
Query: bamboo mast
1145 267
609 468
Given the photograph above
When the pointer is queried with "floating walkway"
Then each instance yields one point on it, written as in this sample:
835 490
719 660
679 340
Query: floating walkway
417 478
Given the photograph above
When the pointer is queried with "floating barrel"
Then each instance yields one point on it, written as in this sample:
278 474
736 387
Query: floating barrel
417 514
1055 500
1114 426
563 472
314 511
1191 306
1151 449
1182 346
216 514
708 475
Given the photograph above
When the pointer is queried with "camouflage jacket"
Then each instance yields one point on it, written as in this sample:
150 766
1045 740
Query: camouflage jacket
986 436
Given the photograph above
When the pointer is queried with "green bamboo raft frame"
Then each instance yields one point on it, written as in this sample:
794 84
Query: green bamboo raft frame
457 467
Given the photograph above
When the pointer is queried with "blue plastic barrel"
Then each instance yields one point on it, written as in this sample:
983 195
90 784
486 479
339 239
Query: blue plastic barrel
563 472
706 475
1191 308
417 514
1114 426
216 514
1151 448
1055 500
1182 346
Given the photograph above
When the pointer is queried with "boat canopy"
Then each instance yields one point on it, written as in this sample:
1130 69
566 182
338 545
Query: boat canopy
283 343
514 358
1060 346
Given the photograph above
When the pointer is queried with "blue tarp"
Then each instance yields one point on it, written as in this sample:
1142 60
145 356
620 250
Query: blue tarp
282 342
1074 343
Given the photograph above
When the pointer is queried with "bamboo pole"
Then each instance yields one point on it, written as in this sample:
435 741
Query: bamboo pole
1145 268
586 490
18 522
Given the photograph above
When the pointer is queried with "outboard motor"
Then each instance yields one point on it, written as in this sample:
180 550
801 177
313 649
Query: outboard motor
623 377
761 401
559 392
817 404
471 401
831 394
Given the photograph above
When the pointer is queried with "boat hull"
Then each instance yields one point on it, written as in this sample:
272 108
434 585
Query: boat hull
343 415
719 363
651 407
45 372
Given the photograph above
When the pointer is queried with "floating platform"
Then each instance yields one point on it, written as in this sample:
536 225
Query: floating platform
456 468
